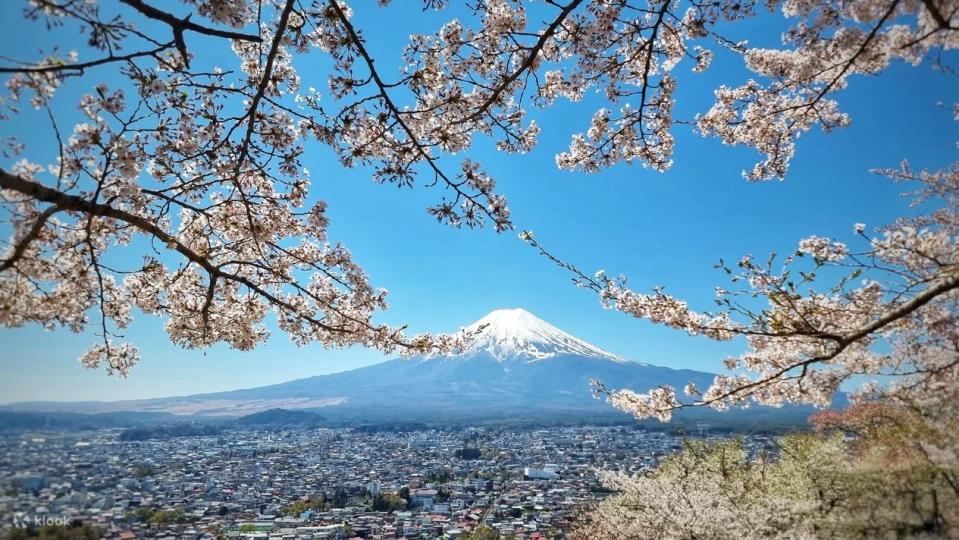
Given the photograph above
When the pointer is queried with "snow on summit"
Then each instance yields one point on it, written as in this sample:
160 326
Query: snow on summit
512 333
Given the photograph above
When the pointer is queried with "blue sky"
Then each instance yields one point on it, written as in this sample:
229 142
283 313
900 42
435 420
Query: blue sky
659 229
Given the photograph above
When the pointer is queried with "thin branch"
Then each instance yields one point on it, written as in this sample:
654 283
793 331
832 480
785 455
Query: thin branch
181 25
66 202
357 43
31 235
84 65
527 62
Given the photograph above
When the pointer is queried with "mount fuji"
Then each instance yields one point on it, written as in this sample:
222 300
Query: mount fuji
518 366
516 334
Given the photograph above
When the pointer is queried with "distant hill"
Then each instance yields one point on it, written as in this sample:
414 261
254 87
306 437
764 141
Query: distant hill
282 418
27 420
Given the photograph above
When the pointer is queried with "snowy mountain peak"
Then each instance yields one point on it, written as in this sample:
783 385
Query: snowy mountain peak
514 333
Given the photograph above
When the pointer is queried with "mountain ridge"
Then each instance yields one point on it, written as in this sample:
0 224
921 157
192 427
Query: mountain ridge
518 366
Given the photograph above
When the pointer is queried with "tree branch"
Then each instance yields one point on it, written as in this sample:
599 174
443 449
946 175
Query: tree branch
31 235
527 62
179 25
82 66
395 111
66 202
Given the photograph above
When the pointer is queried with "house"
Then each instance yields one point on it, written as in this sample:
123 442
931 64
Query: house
422 498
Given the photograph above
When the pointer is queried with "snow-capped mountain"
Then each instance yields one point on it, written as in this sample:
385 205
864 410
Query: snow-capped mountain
518 369
518 364
516 334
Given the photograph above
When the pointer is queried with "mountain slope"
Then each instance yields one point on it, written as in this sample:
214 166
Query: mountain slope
518 366
508 334
517 363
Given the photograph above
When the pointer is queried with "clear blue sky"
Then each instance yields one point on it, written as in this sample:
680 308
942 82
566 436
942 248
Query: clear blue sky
660 229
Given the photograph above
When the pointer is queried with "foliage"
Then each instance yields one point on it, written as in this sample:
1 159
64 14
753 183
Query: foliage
54 532
441 476
468 453
388 502
820 486
317 503
141 471
482 532
157 517
163 517
339 497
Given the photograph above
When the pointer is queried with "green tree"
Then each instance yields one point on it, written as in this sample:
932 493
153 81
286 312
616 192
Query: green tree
468 453
317 503
162 517
143 514
54 532
388 502
482 532
141 471
339 498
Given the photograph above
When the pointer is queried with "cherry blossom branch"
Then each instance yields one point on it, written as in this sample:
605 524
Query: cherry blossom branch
80 67
357 43
179 26
803 329
901 311
937 15
230 186
254 104
30 236
66 202
527 62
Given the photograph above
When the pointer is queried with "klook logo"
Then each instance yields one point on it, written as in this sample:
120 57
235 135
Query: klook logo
23 521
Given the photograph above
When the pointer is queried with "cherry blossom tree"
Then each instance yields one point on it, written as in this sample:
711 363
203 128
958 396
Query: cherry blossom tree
804 486
716 490
194 171
826 314
194 168
886 308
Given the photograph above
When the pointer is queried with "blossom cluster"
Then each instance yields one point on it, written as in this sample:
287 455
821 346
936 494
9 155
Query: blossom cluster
197 175
889 311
